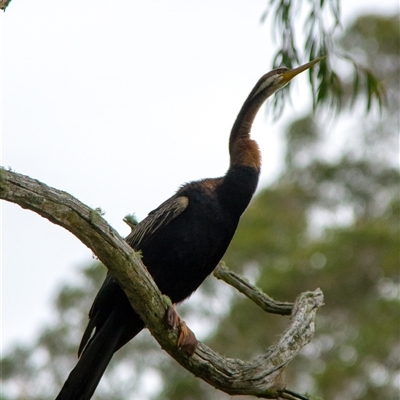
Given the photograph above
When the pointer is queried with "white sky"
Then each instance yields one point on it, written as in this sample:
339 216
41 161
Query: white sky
118 104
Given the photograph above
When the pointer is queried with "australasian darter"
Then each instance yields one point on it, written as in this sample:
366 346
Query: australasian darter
181 243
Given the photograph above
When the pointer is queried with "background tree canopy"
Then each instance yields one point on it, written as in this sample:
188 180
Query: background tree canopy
331 220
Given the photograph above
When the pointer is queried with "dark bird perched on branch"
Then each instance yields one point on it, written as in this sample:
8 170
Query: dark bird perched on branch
181 241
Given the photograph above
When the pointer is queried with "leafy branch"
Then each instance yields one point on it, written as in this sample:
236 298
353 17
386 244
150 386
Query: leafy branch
259 377
320 23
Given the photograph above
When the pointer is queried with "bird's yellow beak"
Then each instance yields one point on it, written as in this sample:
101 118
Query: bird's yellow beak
288 75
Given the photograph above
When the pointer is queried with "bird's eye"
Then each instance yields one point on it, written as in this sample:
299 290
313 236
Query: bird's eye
280 71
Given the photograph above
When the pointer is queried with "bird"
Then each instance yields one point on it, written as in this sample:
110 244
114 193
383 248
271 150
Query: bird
181 242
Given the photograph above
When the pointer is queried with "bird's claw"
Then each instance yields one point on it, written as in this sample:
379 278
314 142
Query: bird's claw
186 339
172 317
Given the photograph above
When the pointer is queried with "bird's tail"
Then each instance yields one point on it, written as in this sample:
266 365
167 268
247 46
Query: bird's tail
84 378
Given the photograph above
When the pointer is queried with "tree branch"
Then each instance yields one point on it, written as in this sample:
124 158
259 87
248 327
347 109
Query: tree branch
259 377
252 292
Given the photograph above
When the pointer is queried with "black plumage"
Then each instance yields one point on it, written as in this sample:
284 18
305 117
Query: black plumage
181 243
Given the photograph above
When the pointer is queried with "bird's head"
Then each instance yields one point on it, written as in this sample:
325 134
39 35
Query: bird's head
279 78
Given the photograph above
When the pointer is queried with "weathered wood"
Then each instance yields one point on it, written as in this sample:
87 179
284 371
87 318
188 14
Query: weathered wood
259 377
252 292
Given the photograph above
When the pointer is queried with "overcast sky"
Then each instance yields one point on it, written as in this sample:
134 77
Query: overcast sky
119 103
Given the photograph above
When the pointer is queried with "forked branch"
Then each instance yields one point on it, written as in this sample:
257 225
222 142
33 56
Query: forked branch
259 377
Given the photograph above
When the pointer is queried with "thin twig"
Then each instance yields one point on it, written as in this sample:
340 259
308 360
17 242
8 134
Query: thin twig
252 292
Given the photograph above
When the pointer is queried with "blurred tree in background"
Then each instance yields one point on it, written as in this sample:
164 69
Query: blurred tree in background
331 221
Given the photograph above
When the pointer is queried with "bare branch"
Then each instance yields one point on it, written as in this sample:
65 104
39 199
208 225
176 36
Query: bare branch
252 292
259 377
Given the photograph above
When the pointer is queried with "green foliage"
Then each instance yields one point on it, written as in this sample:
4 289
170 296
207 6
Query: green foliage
131 220
375 46
354 261
320 26
95 215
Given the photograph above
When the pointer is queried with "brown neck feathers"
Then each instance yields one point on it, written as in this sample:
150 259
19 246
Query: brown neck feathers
243 150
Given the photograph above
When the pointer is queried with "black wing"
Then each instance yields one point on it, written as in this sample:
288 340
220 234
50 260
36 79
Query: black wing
141 234
156 220
100 309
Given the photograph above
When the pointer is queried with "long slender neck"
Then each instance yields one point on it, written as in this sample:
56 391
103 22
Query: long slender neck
240 181
243 150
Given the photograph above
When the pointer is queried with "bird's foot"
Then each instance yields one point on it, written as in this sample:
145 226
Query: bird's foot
186 339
